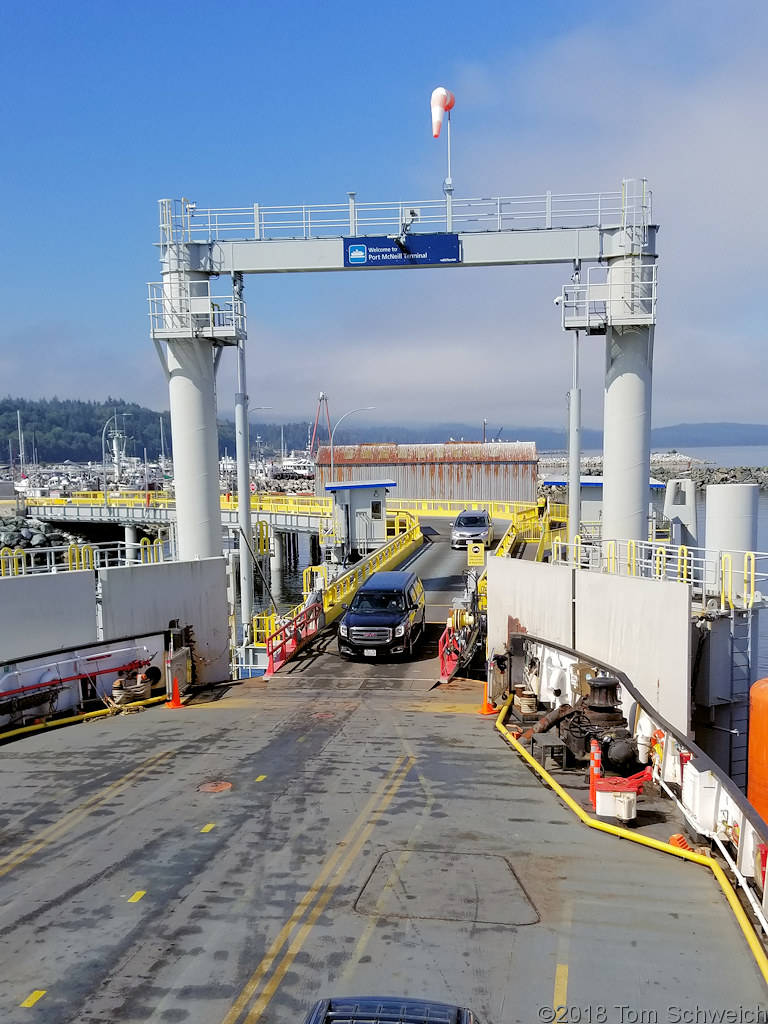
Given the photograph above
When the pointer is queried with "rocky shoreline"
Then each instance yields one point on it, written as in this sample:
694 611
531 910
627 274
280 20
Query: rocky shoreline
668 466
27 532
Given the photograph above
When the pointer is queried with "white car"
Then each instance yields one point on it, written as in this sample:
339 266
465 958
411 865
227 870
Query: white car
472 528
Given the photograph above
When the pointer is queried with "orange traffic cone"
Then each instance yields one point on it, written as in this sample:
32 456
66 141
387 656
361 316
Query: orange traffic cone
679 841
175 701
487 708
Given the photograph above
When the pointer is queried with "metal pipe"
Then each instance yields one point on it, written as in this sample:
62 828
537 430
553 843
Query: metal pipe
242 452
574 451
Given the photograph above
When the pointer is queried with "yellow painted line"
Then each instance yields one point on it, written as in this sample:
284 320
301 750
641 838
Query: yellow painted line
137 896
77 814
32 999
207 828
561 986
319 893
260 778
654 844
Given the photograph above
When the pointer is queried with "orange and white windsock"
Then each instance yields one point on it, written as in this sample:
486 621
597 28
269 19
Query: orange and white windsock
441 101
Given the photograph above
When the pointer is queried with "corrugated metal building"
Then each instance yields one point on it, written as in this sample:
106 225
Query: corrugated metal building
455 471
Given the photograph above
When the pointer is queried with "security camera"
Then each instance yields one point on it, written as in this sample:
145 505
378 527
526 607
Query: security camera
558 299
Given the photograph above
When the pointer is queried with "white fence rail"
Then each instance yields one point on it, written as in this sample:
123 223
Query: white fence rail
181 221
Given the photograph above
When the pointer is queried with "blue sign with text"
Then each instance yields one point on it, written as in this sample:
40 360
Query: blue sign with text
406 251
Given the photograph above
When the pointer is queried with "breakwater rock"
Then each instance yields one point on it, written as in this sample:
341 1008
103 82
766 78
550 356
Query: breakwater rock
669 466
23 532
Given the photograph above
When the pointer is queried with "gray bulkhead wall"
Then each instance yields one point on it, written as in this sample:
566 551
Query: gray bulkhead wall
71 621
639 626
143 599
135 601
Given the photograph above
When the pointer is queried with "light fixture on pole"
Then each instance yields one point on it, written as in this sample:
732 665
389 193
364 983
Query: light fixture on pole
364 408
104 452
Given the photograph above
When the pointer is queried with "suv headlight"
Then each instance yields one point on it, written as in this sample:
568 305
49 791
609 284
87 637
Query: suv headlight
400 630
342 630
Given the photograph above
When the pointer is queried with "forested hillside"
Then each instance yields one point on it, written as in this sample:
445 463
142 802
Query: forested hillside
57 429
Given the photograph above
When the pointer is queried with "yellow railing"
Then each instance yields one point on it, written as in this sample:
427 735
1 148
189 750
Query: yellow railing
13 563
151 551
80 557
264 625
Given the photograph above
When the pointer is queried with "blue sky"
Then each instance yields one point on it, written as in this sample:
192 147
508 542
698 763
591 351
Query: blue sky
108 107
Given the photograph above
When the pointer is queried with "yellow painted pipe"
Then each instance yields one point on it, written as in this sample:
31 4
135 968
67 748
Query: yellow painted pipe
77 718
622 833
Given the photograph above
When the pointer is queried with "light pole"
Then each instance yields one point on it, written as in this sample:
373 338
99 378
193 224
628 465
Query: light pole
364 408
104 452
104 456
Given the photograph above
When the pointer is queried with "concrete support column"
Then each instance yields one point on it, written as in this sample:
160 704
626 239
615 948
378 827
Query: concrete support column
627 433
627 414
277 563
195 448
131 545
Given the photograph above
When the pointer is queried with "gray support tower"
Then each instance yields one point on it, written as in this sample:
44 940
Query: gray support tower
194 324
618 299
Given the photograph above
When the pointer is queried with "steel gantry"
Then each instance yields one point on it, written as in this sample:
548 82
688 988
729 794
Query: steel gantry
608 239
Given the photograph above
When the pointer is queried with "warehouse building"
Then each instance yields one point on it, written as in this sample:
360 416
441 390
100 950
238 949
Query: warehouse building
455 471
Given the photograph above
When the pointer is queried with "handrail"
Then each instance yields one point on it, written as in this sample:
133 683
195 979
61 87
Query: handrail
181 222
610 556
291 636
632 558
726 569
725 816
683 565
15 561
709 573
749 574
660 562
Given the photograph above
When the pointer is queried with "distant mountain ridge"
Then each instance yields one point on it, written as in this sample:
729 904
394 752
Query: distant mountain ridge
63 429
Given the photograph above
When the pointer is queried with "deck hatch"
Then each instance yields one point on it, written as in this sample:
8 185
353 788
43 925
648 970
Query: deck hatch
413 883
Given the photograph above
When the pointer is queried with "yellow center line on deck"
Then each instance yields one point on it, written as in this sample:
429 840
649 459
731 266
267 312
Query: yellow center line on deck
208 828
561 987
261 984
137 896
32 999
77 814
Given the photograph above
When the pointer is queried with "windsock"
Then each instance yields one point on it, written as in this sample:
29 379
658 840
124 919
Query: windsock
441 101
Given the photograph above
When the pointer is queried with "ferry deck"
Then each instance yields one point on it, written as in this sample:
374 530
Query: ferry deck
343 828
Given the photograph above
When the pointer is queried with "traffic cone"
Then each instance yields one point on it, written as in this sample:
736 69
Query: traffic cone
680 842
175 701
487 708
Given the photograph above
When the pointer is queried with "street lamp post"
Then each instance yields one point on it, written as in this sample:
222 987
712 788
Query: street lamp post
364 408
104 456
114 416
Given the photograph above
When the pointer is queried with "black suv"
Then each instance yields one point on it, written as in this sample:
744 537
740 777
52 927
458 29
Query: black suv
386 616
387 1010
